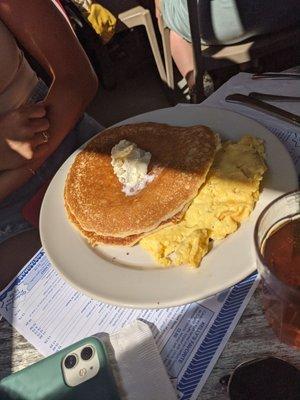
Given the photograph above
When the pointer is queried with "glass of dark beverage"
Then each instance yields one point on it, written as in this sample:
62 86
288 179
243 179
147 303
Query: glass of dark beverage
277 243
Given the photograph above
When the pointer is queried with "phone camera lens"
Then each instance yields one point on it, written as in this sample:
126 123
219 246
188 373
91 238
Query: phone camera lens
87 353
70 361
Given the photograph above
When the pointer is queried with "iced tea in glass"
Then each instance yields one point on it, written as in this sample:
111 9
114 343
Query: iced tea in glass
277 243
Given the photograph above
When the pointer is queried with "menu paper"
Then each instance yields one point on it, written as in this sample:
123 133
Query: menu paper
51 315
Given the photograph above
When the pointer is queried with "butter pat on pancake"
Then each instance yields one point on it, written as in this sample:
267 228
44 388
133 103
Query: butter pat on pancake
130 165
180 160
224 201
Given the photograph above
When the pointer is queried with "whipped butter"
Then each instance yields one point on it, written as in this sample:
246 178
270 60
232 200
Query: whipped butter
130 164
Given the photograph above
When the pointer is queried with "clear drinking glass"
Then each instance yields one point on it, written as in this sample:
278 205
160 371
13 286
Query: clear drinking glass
281 300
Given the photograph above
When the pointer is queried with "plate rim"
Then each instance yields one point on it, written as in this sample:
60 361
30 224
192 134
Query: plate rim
168 303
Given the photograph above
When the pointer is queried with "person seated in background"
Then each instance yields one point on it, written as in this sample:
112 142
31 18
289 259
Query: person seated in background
39 127
223 22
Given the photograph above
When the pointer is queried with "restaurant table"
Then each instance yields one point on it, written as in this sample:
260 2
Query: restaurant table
251 338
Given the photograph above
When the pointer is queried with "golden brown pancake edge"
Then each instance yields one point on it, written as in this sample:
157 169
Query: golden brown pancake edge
93 193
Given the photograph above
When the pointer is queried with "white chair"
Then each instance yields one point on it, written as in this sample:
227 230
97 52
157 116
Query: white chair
165 36
140 16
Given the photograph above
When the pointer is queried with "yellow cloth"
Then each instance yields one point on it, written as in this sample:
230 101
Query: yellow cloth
103 21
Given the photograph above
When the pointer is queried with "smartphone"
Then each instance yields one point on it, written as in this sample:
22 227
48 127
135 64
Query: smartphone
78 372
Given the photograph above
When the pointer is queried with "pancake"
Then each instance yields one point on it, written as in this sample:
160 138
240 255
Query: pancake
95 239
181 159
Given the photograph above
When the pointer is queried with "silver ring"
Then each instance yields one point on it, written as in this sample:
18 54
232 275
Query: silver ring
32 171
45 136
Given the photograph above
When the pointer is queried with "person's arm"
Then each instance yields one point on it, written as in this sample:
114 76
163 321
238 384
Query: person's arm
22 142
22 136
158 7
43 31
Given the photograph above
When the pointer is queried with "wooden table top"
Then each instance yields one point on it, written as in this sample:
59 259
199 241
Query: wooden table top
251 338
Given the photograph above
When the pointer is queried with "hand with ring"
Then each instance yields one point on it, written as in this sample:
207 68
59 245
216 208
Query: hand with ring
23 136
45 136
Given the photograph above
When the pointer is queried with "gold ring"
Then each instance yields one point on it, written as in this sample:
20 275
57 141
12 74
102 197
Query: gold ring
45 136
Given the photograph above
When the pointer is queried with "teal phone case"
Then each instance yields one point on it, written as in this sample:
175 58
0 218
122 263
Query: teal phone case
44 380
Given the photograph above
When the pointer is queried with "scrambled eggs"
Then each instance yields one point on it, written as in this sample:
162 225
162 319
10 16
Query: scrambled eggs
224 201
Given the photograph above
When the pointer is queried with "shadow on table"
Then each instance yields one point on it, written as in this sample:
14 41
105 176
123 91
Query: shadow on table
6 344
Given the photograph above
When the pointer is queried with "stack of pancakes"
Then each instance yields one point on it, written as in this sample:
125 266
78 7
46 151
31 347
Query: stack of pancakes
180 160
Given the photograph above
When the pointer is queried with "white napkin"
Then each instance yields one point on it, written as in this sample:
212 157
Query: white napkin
242 83
137 365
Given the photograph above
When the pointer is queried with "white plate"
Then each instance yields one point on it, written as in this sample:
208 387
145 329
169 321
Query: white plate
129 277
